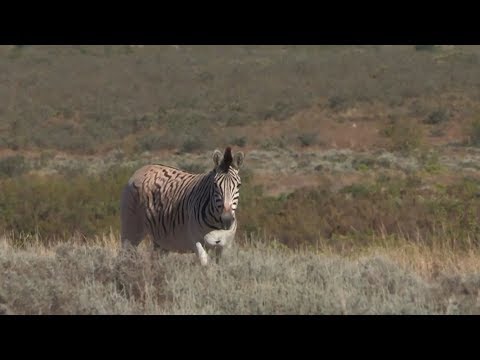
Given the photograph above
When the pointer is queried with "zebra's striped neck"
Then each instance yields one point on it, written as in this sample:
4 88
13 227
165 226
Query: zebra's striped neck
208 214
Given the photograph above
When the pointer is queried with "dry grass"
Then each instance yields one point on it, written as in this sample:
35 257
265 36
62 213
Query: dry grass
79 277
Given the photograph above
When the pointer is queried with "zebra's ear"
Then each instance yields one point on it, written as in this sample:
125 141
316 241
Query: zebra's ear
217 157
238 160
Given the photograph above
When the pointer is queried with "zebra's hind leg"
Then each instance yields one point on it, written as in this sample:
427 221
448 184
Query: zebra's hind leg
131 216
201 253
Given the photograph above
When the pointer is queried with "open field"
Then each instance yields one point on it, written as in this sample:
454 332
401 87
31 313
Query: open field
261 277
362 162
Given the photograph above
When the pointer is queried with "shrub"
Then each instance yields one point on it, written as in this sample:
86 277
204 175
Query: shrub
60 205
431 161
193 144
405 135
473 133
13 166
307 139
437 117
363 163
153 142
274 143
337 102
279 110
192 167
240 141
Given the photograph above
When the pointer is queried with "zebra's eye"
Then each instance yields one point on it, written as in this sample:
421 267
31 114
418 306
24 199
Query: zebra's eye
238 185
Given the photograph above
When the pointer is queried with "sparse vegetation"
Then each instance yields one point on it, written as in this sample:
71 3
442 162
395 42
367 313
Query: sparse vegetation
405 135
337 102
240 141
193 91
194 168
437 117
473 133
307 139
78 277
13 166
351 152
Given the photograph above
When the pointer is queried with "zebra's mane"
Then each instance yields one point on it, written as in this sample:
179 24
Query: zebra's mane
227 160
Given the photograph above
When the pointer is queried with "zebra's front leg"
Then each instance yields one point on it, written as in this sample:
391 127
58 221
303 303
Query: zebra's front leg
202 254
218 253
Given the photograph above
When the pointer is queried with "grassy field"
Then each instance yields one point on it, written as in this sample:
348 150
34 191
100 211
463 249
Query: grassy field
91 276
362 162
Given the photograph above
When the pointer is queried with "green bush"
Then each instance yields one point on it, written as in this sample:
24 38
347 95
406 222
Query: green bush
193 145
307 139
279 110
153 142
240 141
437 117
66 204
363 163
473 133
192 167
337 102
57 206
405 135
13 166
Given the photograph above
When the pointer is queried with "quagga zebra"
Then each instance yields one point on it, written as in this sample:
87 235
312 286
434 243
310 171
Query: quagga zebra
181 211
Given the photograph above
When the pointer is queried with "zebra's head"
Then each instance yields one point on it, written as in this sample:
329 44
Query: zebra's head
227 184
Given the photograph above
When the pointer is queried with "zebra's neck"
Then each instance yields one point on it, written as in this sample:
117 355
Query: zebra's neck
206 212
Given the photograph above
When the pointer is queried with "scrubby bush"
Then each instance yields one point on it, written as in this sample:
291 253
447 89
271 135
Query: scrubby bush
193 145
307 139
60 205
13 166
473 132
153 142
388 206
437 117
240 141
405 135
337 102
192 167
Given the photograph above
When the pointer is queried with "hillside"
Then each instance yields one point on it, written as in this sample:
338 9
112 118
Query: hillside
361 183
91 99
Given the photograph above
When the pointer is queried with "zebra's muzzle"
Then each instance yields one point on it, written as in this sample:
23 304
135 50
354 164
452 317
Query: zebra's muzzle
227 220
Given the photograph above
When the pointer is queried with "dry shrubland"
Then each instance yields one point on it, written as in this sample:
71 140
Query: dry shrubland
93 277
362 163
160 97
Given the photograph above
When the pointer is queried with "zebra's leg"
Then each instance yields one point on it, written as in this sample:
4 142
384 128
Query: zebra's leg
218 253
132 226
201 253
